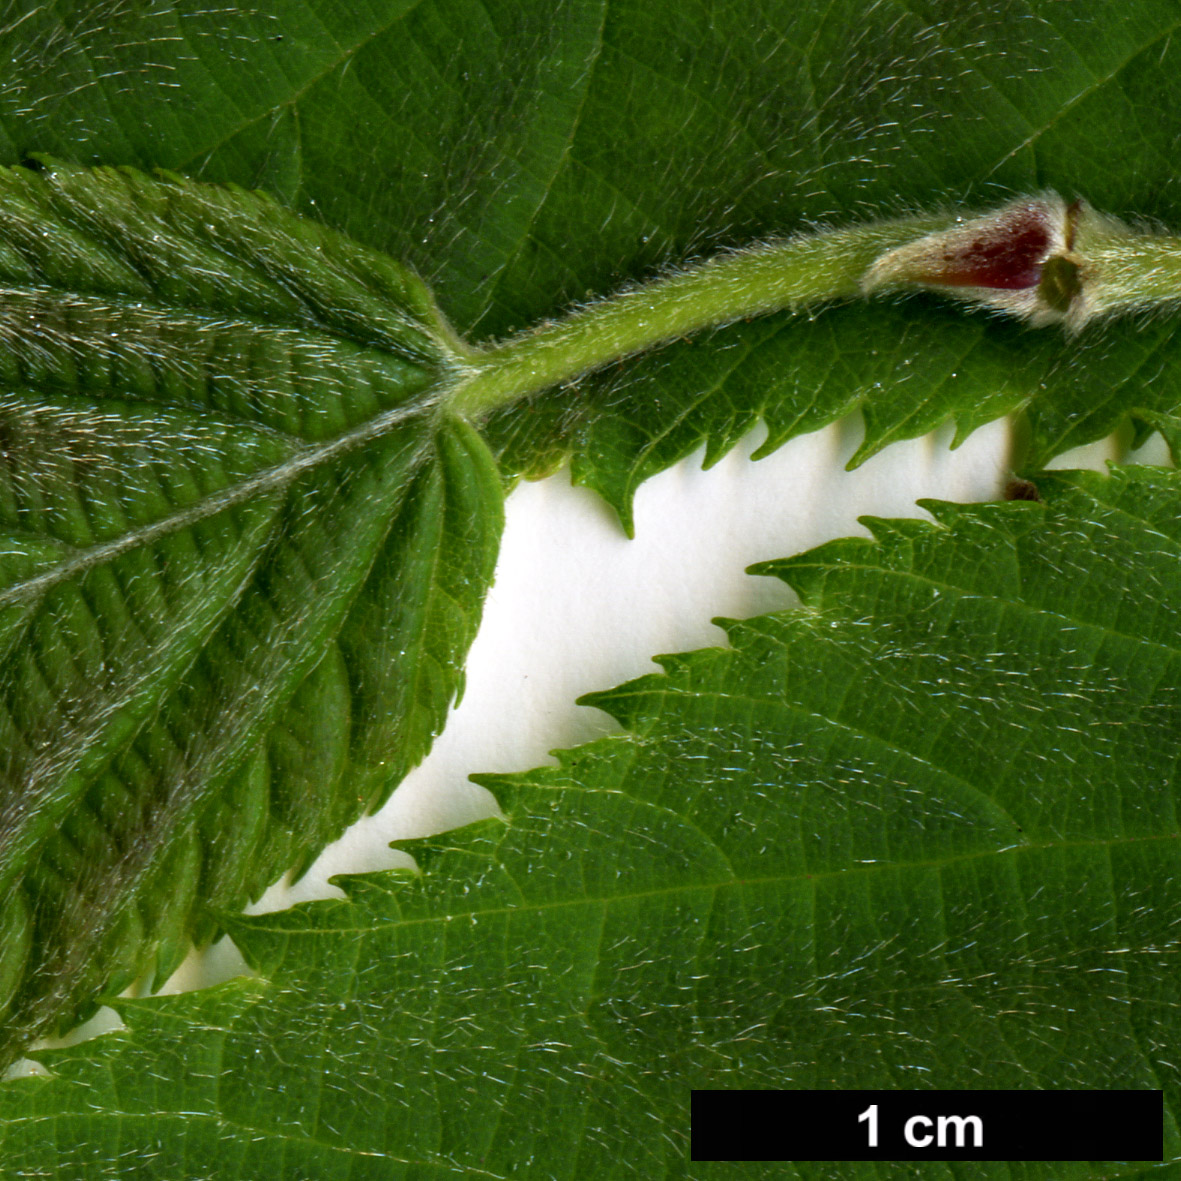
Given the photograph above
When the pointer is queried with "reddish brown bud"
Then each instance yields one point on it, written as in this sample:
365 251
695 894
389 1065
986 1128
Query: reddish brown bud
1004 252
999 260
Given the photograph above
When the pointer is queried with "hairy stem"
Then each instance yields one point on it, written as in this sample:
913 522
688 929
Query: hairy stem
766 278
1036 258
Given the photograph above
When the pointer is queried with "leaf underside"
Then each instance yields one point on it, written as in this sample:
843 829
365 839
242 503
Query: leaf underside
920 832
242 554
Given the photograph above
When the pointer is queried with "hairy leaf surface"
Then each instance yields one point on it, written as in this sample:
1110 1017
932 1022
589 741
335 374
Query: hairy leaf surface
920 832
242 554
526 157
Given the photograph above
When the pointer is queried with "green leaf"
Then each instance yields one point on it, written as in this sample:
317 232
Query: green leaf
523 157
920 832
244 552
526 157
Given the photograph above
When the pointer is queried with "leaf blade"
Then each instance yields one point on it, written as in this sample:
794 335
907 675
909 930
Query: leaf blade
220 413
783 875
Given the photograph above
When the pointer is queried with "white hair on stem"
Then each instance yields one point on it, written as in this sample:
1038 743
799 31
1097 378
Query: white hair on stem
1039 258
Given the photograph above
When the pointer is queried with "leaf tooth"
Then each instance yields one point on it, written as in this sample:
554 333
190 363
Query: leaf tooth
173 892
808 573
244 848
124 955
895 531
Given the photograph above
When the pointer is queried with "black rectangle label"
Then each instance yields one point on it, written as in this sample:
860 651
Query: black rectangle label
928 1125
